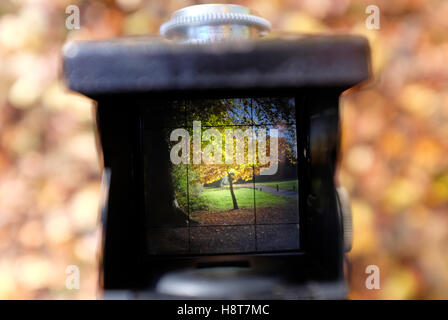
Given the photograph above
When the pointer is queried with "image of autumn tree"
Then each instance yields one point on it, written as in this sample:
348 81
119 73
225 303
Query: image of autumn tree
240 116
216 172
223 114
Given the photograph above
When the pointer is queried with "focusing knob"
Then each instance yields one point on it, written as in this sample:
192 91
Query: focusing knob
346 215
214 23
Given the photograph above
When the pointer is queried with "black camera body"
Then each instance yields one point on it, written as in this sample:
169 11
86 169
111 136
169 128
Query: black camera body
137 83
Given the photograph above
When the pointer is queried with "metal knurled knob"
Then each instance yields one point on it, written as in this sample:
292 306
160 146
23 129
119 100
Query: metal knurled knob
346 213
214 23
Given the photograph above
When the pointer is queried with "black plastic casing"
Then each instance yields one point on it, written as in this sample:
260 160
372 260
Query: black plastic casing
125 76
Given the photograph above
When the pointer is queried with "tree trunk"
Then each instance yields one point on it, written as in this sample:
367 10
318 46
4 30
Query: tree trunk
235 204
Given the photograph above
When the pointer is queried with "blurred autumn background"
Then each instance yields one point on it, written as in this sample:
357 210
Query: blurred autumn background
395 141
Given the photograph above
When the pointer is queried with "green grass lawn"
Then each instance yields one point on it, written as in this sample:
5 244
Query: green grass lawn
220 199
283 185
